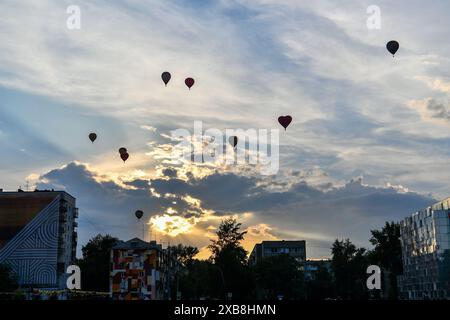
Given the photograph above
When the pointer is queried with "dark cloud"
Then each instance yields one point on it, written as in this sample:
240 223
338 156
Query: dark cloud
139 183
170 172
107 207
318 214
438 110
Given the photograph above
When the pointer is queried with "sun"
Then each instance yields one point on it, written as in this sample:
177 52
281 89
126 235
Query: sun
171 225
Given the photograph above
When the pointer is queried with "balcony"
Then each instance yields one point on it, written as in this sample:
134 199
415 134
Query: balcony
61 252
61 242
62 218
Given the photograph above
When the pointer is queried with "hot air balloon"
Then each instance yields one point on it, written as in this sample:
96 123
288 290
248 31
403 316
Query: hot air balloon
392 47
124 156
165 76
189 82
122 150
92 137
139 214
285 121
233 140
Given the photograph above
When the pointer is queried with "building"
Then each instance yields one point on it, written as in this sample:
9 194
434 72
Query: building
38 236
311 268
141 271
425 240
296 249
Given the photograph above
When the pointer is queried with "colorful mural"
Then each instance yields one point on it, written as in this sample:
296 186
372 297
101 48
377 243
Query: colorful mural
139 271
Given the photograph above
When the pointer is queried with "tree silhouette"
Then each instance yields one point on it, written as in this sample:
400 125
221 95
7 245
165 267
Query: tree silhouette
279 275
349 265
387 254
231 258
184 254
8 281
95 265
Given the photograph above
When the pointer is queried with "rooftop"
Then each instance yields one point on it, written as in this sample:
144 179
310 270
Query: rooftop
137 243
283 243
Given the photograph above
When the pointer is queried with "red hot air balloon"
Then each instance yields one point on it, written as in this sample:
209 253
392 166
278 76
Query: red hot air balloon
189 82
165 76
285 121
139 214
92 137
124 156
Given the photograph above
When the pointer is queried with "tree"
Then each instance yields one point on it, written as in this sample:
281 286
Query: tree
279 276
8 281
201 280
182 281
387 254
321 287
349 265
231 258
228 238
96 263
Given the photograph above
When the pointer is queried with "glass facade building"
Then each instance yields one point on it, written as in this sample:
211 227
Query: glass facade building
425 240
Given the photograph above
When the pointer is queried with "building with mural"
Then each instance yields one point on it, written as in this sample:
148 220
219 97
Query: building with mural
38 236
425 241
141 270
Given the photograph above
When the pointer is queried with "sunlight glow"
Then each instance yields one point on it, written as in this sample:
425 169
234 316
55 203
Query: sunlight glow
171 225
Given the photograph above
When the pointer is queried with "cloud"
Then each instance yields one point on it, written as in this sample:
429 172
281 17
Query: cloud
438 110
169 172
148 128
357 112
432 110
435 83
253 61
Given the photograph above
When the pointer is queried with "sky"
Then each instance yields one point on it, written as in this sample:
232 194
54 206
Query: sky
369 140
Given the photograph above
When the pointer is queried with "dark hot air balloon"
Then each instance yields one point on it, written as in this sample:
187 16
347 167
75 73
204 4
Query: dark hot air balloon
392 47
122 150
285 121
189 82
233 140
165 76
139 214
124 156
92 137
